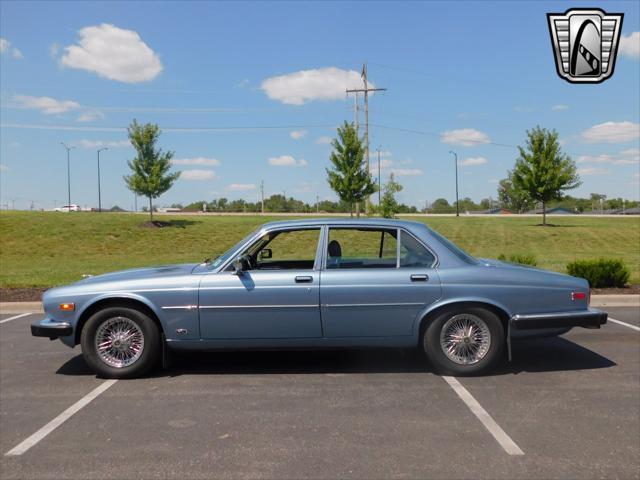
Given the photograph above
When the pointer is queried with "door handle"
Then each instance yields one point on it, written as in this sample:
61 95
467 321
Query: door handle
419 277
304 279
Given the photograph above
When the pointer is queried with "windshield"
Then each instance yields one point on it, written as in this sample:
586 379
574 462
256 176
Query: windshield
219 260
457 251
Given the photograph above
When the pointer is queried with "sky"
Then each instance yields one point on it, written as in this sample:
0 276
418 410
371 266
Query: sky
249 92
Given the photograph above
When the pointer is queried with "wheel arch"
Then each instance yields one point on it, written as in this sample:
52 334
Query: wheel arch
435 310
136 303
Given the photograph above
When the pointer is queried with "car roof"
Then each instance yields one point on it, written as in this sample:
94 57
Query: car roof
379 222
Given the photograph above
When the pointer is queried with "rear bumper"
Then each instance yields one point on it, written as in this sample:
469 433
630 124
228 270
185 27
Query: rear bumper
590 318
51 329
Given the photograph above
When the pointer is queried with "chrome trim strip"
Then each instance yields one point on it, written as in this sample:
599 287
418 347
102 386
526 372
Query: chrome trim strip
406 304
180 307
256 306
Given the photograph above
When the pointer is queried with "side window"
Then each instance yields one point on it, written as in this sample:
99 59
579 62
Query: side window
362 248
285 250
413 254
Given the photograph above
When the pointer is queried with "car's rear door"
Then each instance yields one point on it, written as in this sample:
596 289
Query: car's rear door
375 282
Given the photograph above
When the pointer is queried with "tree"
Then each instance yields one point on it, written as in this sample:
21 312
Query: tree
543 171
348 177
388 204
150 168
511 197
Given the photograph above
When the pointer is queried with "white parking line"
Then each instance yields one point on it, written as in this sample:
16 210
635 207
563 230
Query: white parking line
625 324
490 424
14 318
59 420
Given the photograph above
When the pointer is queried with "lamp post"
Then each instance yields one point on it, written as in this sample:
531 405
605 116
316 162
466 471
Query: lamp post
99 198
68 174
457 202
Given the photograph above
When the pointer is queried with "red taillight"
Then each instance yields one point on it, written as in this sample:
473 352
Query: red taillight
578 296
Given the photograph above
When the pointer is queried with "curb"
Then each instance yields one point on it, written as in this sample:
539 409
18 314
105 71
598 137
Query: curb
596 301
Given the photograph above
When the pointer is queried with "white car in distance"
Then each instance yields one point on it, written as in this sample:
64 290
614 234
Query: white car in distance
68 208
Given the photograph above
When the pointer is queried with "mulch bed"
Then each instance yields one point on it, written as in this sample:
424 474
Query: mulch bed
35 294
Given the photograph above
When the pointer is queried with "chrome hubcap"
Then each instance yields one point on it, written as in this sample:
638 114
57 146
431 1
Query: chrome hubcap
119 342
465 339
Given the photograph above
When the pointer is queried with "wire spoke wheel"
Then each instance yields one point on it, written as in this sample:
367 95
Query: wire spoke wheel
465 339
119 342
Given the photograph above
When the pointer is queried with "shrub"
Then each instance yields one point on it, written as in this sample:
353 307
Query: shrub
601 273
518 258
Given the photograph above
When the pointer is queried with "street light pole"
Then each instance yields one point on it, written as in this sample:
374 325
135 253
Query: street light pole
457 202
68 174
99 199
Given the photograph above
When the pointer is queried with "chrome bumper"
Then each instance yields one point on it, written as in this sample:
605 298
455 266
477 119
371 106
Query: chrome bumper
51 329
590 318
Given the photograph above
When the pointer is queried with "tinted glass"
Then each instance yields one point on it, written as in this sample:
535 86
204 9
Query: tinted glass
362 248
413 254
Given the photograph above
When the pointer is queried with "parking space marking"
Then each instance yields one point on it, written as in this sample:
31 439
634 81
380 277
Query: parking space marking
59 420
624 324
14 317
489 423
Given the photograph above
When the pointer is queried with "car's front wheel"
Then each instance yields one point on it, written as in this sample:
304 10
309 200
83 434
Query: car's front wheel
119 342
464 341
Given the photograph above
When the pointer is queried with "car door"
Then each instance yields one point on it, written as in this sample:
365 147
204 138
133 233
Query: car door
278 295
375 282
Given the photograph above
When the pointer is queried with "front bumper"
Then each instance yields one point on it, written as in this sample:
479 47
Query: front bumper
51 329
590 318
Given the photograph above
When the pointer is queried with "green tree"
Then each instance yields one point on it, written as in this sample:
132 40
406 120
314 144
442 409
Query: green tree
150 175
543 170
388 204
511 197
348 177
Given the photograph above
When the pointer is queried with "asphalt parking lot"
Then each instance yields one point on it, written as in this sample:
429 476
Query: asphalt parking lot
570 405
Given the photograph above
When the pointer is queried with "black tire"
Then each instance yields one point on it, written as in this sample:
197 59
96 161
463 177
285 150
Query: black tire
150 352
445 365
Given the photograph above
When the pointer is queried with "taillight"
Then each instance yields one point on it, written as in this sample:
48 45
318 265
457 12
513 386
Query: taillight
578 296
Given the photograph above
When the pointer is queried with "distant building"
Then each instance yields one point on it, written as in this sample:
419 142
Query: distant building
493 211
554 211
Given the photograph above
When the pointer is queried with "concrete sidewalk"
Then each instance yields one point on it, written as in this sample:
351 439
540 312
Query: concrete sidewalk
598 301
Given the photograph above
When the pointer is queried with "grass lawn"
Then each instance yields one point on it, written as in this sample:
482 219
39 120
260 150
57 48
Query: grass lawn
43 249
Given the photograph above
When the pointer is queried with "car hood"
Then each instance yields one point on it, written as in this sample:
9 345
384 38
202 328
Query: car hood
141 273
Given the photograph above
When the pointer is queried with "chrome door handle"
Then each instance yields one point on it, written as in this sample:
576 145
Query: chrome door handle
419 278
304 279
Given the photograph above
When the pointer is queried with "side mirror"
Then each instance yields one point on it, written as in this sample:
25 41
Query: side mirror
266 253
239 265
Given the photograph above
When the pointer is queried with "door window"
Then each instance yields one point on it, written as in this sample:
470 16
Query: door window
413 254
284 250
362 248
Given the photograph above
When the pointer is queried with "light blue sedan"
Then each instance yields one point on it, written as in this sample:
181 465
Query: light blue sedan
328 283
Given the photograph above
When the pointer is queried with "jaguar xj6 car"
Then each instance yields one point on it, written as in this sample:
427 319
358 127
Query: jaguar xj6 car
320 283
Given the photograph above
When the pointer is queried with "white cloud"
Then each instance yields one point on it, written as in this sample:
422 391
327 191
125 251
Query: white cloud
90 116
406 172
612 132
197 161
465 136
473 161
46 105
113 53
3 168
630 45
298 134
324 140
198 175
17 54
54 48
559 107
305 86
4 45
95 144
625 157
241 187
287 161
593 171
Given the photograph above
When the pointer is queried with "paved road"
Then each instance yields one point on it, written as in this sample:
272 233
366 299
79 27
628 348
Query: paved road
571 404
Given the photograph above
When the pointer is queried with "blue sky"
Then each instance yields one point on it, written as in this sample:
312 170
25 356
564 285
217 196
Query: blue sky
208 73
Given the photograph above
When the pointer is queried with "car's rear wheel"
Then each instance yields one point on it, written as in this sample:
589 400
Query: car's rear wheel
119 342
464 341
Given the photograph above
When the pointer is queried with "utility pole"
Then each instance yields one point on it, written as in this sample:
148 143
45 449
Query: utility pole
262 195
457 202
366 91
379 184
135 202
317 203
68 175
99 198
